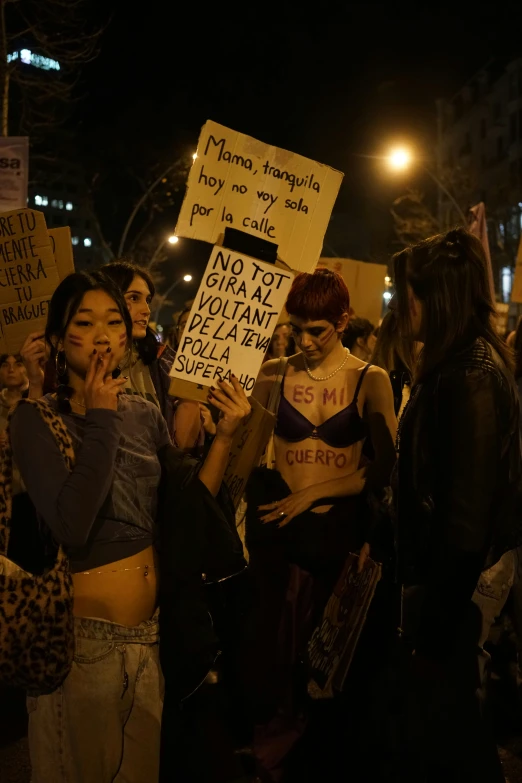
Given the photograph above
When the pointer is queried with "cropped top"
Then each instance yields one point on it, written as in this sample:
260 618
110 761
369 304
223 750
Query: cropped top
341 430
105 510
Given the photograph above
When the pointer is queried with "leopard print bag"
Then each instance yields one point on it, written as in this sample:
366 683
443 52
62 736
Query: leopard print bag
36 612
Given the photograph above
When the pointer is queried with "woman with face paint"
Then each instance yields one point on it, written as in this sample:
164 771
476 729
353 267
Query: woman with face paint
103 723
457 491
308 518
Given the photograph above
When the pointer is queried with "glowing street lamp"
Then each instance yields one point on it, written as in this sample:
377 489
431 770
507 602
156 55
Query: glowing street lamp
399 159
163 297
173 239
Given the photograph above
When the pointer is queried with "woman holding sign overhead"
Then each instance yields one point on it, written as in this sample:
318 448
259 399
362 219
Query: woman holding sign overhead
103 722
303 514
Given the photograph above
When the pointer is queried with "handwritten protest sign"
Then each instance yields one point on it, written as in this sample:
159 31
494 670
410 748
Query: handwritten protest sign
247 448
62 250
14 172
28 275
232 320
333 643
266 191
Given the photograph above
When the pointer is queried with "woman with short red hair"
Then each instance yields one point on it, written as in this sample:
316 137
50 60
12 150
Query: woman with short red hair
309 517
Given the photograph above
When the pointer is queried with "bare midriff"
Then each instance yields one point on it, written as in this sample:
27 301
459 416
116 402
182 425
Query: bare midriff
311 461
124 592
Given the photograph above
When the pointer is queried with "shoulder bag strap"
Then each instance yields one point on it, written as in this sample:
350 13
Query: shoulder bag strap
63 440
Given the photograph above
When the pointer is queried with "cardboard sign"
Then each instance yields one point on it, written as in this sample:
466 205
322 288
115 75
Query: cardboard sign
14 175
269 192
232 320
333 643
28 275
62 249
247 448
365 283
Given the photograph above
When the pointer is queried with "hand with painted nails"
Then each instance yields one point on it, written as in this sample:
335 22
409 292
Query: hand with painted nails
101 389
283 511
35 353
231 401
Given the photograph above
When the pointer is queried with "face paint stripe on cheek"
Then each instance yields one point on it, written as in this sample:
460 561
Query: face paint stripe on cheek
75 339
122 339
323 339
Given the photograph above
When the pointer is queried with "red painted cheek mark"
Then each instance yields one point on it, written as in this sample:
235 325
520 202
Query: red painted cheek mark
76 340
326 336
122 339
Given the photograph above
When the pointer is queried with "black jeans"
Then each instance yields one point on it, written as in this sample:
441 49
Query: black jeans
445 734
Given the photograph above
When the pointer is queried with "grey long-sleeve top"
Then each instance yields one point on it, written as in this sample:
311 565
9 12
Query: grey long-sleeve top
105 509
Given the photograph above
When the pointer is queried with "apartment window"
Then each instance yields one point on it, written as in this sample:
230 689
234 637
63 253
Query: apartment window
87 242
75 240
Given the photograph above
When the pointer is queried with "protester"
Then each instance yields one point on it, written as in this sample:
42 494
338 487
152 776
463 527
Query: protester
457 481
103 723
503 578
281 343
398 357
148 364
309 517
181 323
359 337
13 383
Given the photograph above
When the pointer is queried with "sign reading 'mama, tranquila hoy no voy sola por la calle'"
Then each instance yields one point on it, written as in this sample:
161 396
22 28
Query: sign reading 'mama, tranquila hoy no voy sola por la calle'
265 191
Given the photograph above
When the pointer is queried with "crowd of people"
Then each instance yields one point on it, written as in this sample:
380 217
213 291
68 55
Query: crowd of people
399 443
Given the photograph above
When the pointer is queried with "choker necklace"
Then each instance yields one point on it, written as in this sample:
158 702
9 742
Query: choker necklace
326 377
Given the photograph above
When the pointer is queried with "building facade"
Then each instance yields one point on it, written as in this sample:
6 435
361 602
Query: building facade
64 199
479 158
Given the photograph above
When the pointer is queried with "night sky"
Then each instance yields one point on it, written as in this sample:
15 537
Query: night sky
334 85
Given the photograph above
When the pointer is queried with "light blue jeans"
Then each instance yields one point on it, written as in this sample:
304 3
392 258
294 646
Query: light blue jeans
103 724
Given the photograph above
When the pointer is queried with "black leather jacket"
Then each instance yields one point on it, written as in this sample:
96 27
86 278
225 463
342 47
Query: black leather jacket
458 482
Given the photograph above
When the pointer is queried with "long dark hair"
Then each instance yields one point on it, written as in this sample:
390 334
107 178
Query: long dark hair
449 274
392 351
62 308
122 273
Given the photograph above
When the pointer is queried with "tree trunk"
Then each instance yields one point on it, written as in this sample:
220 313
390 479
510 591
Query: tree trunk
4 71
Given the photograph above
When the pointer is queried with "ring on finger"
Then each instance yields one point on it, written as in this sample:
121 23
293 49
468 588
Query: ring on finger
282 514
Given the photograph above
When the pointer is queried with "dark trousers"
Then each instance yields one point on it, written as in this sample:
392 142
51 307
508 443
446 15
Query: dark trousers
445 732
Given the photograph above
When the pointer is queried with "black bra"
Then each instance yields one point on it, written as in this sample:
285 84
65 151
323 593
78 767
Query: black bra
341 430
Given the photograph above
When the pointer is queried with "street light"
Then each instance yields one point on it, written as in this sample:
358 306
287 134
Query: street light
400 159
163 298
171 240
